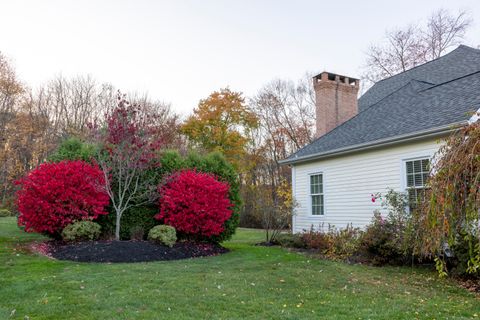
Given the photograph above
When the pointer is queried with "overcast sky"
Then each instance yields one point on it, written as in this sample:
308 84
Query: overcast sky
181 51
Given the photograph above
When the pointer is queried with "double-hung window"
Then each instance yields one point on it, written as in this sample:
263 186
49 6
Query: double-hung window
417 174
316 194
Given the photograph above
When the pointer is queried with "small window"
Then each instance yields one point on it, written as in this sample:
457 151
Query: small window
316 194
417 175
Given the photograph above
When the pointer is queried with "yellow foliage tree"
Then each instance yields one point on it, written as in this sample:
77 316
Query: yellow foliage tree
221 122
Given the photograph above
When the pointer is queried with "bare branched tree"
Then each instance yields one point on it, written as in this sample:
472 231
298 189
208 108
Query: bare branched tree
71 104
403 49
11 93
445 31
286 113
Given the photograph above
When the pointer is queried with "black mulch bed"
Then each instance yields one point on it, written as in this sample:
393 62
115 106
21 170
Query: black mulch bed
130 251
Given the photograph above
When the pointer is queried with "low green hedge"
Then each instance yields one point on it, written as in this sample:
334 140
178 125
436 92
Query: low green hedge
5 213
81 231
163 234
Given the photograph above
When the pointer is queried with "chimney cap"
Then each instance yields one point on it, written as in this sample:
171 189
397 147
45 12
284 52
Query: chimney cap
332 77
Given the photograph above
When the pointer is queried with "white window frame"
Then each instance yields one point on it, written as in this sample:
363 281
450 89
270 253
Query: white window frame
310 195
406 188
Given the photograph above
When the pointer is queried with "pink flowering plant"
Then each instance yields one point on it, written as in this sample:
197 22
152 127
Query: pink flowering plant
375 196
388 238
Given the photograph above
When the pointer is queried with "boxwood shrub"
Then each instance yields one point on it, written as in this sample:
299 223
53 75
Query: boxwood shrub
5 213
81 231
163 234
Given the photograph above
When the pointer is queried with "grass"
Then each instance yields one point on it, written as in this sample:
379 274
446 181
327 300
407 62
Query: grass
250 282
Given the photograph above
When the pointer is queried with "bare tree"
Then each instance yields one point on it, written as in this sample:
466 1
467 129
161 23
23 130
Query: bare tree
11 92
445 31
71 104
275 211
286 113
403 49
166 121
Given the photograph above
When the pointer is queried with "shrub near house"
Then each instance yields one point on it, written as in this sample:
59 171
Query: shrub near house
388 239
451 214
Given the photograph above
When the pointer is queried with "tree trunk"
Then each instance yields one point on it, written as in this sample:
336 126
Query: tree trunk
117 225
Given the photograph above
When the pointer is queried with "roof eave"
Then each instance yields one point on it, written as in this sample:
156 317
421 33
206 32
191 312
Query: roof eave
419 135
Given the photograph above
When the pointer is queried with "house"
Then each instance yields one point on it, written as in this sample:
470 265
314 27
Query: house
385 139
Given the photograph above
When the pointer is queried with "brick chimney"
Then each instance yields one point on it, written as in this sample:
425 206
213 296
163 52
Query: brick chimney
335 100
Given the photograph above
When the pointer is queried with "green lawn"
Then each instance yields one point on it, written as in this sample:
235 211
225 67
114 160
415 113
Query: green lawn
250 282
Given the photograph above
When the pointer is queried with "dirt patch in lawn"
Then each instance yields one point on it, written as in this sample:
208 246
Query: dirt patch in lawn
126 251
472 285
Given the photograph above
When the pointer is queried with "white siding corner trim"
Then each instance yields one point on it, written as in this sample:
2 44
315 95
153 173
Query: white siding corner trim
294 194
349 181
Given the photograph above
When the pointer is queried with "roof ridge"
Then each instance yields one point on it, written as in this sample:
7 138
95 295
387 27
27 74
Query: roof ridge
420 65
455 79
464 46
422 81
460 47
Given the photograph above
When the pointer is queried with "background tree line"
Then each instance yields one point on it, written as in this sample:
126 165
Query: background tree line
254 133
34 122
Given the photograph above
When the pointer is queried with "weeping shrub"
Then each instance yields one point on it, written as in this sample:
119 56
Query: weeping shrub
451 214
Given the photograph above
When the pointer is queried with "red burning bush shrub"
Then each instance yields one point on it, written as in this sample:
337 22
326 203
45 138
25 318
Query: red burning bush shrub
55 194
195 203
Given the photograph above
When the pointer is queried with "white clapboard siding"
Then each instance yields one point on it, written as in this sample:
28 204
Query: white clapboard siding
349 181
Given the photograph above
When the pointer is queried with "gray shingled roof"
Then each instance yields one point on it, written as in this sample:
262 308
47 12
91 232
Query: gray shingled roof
434 95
